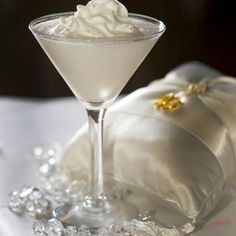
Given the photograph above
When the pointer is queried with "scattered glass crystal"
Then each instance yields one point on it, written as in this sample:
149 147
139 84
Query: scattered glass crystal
46 169
47 159
76 190
55 226
145 217
61 197
146 228
25 192
15 204
60 187
35 210
30 200
112 230
71 231
187 228
42 154
16 207
37 152
51 152
43 202
30 207
63 189
39 228
52 160
139 228
169 232
56 182
35 195
41 210
84 231
37 205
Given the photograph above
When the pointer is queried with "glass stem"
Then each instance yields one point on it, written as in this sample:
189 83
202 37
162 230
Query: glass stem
96 200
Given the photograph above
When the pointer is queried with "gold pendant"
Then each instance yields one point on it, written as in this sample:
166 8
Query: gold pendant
167 103
172 102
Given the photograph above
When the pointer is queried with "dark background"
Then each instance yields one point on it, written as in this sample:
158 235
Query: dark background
201 30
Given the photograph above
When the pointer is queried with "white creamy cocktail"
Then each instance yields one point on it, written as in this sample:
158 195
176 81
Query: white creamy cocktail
96 72
96 50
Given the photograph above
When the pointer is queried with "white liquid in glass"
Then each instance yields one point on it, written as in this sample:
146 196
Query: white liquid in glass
96 71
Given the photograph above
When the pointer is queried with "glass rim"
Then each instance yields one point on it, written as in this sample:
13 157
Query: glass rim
153 34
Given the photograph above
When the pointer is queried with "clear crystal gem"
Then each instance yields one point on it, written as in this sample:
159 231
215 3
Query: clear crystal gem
37 152
39 228
56 182
51 152
30 206
139 228
55 226
145 217
45 169
16 206
35 195
187 228
24 194
108 230
40 211
169 232
61 197
84 231
71 231
76 190
14 194
43 202
52 161
25 191
30 200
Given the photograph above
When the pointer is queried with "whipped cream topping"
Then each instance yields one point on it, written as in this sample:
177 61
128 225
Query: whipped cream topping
99 18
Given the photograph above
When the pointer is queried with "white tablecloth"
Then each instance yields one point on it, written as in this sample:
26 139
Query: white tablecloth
25 124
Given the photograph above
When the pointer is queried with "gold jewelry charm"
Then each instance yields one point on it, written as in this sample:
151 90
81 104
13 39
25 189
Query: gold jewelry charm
173 101
169 102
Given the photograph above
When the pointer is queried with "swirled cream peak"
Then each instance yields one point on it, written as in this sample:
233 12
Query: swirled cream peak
99 18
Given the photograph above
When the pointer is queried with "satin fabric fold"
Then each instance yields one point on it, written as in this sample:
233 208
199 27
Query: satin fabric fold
185 157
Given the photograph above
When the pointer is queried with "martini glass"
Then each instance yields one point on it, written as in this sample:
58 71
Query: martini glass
96 70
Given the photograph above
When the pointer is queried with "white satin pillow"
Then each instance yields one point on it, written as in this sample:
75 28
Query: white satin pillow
185 157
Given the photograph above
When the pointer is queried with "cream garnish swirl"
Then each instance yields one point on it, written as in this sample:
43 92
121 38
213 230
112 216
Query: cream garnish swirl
99 18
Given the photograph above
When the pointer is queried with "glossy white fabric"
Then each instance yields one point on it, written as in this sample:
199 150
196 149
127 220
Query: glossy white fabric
185 157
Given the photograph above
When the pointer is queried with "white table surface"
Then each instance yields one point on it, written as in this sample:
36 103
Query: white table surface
25 124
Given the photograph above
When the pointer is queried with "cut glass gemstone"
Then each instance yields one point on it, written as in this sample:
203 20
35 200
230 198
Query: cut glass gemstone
35 195
16 206
25 192
84 231
39 228
37 152
71 231
55 226
187 228
45 169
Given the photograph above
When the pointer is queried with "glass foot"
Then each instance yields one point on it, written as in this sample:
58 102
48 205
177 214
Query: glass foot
78 215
